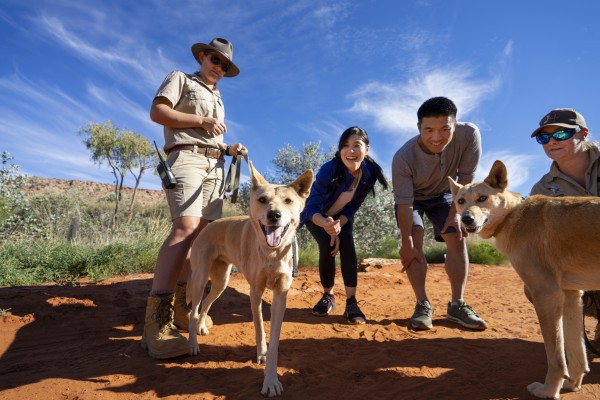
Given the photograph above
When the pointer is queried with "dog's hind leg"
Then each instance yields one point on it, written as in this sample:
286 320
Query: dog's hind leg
195 290
219 277
259 329
271 384
549 305
574 346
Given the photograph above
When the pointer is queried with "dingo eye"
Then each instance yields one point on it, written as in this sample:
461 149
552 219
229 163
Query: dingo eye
262 200
460 201
482 199
288 201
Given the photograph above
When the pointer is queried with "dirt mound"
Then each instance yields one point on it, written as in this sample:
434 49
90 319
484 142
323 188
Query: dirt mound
90 191
82 343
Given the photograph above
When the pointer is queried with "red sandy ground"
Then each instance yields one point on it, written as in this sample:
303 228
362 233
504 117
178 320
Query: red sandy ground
83 343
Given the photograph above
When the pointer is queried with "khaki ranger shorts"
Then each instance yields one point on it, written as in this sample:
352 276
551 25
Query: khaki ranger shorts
200 186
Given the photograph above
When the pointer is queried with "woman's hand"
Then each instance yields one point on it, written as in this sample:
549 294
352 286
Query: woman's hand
213 125
335 243
235 149
332 227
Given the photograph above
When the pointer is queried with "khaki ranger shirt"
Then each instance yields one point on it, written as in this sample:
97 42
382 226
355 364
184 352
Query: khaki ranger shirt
555 183
190 95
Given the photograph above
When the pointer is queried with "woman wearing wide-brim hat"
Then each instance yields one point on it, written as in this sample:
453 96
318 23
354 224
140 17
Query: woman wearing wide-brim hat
191 110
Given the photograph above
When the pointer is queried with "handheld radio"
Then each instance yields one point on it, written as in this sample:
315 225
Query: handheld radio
164 171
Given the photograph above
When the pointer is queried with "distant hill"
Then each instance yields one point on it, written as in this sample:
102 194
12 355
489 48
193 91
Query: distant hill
91 191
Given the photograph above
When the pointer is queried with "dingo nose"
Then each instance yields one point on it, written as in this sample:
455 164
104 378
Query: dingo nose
274 215
467 219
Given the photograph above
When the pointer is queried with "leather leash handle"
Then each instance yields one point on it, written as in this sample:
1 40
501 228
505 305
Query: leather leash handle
233 177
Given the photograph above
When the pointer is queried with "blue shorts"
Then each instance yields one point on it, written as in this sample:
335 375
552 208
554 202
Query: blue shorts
436 209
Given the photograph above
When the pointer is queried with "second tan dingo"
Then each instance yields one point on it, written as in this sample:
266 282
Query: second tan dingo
553 243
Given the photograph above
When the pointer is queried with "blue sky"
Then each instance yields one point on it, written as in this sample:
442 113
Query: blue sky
309 70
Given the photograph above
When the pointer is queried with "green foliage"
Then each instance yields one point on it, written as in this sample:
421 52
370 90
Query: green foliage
63 263
484 252
15 212
124 151
373 221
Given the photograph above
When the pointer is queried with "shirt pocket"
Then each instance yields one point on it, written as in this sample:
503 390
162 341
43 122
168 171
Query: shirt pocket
197 101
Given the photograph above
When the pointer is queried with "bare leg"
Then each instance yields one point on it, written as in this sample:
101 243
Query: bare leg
457 264
174 253
417 272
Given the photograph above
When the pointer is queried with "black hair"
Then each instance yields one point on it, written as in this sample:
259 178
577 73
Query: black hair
340 170
436 107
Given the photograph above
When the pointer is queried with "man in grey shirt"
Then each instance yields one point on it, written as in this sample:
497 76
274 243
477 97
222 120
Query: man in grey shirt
420 170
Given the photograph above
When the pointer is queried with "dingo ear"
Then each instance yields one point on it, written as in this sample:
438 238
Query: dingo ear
454 186
257 178
303 184
498 177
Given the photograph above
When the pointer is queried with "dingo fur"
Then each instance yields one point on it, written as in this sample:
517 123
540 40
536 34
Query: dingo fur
552 243
260 246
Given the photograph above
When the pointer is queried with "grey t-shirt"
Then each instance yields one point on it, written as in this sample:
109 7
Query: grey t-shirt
417 175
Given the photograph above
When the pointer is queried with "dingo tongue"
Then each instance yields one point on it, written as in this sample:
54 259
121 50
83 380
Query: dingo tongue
273 235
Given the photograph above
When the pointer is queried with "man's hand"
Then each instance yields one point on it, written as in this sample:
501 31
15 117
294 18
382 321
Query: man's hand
408 254
453 220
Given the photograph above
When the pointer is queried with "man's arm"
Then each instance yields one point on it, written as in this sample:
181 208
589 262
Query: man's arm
408 252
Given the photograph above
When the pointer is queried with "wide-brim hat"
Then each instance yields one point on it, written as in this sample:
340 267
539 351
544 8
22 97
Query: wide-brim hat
224 47
564 117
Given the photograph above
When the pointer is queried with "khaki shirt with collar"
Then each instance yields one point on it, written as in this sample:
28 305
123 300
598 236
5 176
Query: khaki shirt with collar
555 183
190 95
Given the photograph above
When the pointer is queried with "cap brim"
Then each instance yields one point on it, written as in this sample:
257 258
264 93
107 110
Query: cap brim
198 47
537 131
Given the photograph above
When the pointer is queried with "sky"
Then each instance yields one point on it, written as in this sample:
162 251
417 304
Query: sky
309 70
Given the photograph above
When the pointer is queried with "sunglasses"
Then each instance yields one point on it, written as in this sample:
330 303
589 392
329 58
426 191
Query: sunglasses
563 134
217 61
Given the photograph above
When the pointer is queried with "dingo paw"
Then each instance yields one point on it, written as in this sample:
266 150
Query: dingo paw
204 330
194 348
573 385
271 387
540 390
261 359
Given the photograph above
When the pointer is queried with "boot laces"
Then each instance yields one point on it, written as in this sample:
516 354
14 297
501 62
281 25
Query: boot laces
164 315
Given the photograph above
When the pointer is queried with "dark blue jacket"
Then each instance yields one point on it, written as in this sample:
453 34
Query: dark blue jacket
326 190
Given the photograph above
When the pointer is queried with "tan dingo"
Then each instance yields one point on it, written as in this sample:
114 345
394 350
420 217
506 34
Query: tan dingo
260 246
553 244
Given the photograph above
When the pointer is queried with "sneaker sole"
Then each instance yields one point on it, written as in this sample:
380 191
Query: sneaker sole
323 315
421 327
357 321
478 327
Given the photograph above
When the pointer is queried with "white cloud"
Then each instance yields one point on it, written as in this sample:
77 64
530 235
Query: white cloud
518 166
393 106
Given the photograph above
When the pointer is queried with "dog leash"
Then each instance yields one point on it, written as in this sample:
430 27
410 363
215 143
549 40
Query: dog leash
232 181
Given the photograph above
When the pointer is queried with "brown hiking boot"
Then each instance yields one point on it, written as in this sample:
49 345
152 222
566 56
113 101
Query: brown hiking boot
183 309
160 337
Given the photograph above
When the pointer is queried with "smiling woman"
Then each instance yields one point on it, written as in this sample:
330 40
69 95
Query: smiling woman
341 186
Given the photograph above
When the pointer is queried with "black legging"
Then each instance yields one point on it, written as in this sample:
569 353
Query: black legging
347 252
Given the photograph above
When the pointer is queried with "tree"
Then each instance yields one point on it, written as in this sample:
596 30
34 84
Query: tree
123 151
137 155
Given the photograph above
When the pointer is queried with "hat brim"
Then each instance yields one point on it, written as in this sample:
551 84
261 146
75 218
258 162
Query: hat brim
198 47
537 131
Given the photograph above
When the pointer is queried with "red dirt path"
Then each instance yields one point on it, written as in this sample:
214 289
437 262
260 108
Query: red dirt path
83 343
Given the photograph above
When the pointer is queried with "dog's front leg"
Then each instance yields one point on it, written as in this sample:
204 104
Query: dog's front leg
549 309
259 329
574 346
271 385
